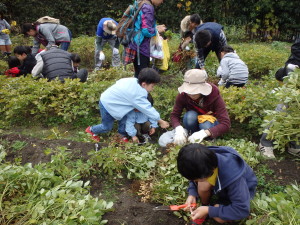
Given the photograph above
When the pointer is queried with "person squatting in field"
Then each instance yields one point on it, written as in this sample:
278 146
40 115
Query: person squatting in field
124 96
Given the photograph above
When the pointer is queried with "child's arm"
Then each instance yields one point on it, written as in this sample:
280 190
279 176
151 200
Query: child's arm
224 70
38 68
163 124
6 24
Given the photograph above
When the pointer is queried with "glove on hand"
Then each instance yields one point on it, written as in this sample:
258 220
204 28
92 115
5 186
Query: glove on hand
13 72
115 51
101 56
221 82
292 67
5 31
197 137
180 136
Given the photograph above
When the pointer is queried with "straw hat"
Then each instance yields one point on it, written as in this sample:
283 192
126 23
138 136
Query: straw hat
195 83
110 27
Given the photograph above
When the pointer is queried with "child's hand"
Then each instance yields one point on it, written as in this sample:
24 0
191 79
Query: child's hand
163 124
200 213
135 139
191 199
152 131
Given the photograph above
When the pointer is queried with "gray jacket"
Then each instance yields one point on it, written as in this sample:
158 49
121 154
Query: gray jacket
4 25
233 69
50 34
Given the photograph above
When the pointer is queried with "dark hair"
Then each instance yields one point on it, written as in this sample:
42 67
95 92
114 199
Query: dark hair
150 99
22 49
195 18
27 27
281 73
202 38
227 49
188 34
75 58
13 61
149 76
196 161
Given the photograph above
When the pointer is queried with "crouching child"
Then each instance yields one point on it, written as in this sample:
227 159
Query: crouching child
124 96
232 70
139 126
217 171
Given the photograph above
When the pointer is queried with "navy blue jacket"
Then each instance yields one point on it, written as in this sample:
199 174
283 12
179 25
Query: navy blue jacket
215 30
235 185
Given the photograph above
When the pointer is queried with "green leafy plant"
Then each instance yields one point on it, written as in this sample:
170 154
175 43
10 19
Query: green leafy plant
285 124
38 196
280 208
18 145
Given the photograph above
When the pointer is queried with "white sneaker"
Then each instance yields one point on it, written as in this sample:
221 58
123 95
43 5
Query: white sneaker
294 149
266 151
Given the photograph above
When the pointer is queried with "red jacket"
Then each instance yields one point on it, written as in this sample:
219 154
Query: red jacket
213 102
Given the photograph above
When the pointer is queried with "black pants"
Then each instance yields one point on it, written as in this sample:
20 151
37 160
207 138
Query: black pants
142 128
144 63
228 84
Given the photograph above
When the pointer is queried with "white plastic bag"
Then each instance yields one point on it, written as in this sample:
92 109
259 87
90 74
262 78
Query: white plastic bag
156 47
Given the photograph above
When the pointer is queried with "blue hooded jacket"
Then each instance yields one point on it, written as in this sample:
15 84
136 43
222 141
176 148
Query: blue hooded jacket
236 184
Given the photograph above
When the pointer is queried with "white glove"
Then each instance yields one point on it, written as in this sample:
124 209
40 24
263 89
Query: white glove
187 48
101 56
197 137
292 67
115 51
221 82
180 136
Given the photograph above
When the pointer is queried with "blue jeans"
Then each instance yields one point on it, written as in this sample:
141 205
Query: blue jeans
108 122
65 45
190 122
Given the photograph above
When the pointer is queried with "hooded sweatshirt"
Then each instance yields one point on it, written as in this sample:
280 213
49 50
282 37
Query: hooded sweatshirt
211 103
236 184
232 69
125 95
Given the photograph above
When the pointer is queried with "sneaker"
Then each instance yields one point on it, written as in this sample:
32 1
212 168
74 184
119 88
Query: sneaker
124 139
97 147
266 151
94 136
147 138
294 149
97 68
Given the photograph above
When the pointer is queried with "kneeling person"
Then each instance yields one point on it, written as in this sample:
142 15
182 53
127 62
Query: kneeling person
221 171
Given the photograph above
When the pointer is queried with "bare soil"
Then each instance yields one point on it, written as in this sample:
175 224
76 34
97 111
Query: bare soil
128 207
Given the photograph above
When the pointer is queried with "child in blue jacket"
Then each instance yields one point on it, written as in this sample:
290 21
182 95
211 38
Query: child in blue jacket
121 98
220 171
139 126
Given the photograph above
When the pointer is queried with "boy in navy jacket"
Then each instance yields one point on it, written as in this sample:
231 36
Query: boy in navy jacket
220 171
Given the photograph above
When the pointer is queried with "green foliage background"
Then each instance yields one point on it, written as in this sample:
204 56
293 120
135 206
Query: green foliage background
82 16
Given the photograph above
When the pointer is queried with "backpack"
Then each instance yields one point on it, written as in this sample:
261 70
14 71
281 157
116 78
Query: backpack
48 19
125 27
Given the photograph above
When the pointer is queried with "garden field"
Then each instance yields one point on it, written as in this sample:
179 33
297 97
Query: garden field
50 172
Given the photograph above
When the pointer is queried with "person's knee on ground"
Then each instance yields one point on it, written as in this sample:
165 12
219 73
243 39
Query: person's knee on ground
190 121
206 125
